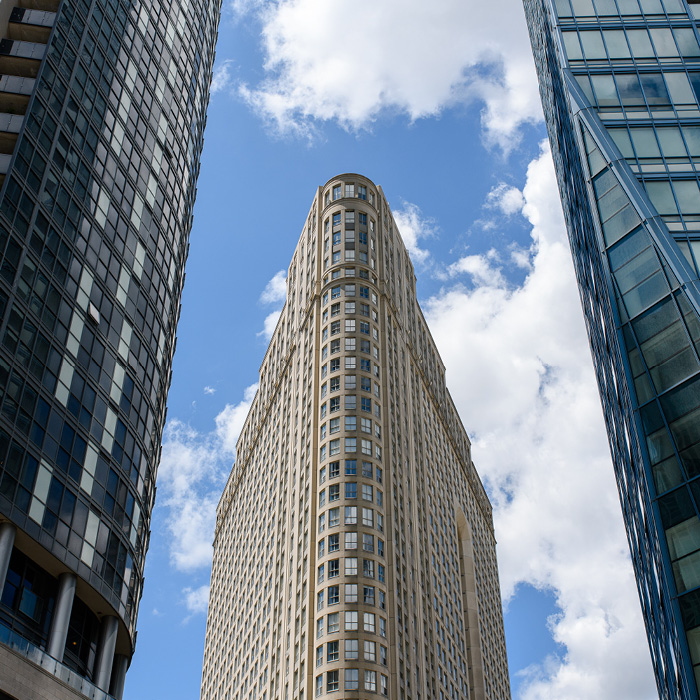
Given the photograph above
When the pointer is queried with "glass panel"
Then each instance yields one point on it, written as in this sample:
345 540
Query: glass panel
645 143
679 87
604 88
572 46
583 8
628 7
651 7
592 43
660 446
640 43
687 572
563 8
646 294
694 641
612 202
603 183
676 509
671 142
620 224
674 7
631 246
655 89
663 42
630 89
661 197
622 140
667 474
636 271
695 82
688 196
687 43
585 85
616 44
605 7
686 430
692 139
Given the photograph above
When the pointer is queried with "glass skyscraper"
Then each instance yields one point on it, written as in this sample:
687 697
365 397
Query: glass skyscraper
620 84
102 112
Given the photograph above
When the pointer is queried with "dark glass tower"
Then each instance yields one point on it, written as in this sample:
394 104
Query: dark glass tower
102 113
620 83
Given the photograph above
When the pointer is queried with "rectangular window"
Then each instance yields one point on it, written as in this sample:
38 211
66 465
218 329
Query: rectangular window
333 651
362 192
351 593
350 424
349 290
370 651
351 566
350 363
350 490
349 307
368 517
367 491
335 426
350 344
321 548
350 325
322 522
334 469
351 620
333 595
350 540
319 686
333 622
351 515
336 192
350 443
319 658
319 597
367 568
333 568
351 648
333 680
334 543
368 595
352 679
369 622
349 190
367 543
350 467
371 681
335 446
321 573
366 447
334 517
319 627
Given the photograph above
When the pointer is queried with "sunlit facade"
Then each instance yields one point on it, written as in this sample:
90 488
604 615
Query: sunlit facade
620 84
102 112
354 554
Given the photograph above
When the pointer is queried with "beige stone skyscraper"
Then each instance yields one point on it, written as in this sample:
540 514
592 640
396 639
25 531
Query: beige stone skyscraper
354 554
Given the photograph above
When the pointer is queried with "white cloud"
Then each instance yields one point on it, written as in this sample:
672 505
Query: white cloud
509 200
413 226
484 270
209 390
276 289
197 599
222 78
193 470
413 58
269 325
519 369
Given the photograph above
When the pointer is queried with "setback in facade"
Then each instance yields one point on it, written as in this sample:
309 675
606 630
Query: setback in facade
354 554
620 84
102 111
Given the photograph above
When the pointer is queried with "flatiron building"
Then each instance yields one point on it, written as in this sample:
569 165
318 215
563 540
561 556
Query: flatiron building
620 84
102 112
354 554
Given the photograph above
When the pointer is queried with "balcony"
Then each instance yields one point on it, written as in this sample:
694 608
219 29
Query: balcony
30 25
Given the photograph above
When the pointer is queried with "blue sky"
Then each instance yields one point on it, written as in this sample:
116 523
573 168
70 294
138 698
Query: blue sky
436 102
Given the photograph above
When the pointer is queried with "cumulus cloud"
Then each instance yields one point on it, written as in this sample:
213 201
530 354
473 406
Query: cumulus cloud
519 369
209 390
196 599
276 289
222 78
411 58
414 227
193 469
507 199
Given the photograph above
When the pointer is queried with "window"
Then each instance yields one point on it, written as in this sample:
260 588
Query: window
365 404
336 192
370 651
321 573
380 573
333 652
369 621
366 448
364 292
322 475
367 517
335 426
350 344
322 522
380 547
323 432
380 522
333 682
351 566
335 365
367 543
350 363
335 404
334 469
324 371
351 515
364 346
366 427
334 517
350 442
367 568
384 685
319 686
351 622
350 490
352 679
335 446
350 467
349 325
362 192
382 626
335 346
365 384
350 540
351 593
349 307
350 423
350 190
351 648
379 475
349 290
323 452
321 548
367 469
364 310
380 498
319 599
335 293
336 234
349 219
319 658
319 627
362 218
335 328
322 498
334 542
382 600
333 622
367 489
368 595
364 327
335 383
323 410
371 681
333 595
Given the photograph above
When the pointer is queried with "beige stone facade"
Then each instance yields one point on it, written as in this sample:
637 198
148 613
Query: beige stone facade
354 554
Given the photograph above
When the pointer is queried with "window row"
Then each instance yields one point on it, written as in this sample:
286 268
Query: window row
350 443
371 623
350 424
351 491
350 272
350 326
337 257
351 345
350 363
333 470
352 681
351 651
368 516
351 543
370 596
349 218
337 237
369 566
349 191
350 405
349 383
349 289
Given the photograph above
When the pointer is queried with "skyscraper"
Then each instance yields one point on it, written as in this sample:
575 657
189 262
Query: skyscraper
354 551
102 111
620 83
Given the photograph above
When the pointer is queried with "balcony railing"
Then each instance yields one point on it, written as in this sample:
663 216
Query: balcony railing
40 658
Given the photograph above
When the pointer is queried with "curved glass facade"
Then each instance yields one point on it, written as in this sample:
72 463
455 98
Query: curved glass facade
102 112
620 86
